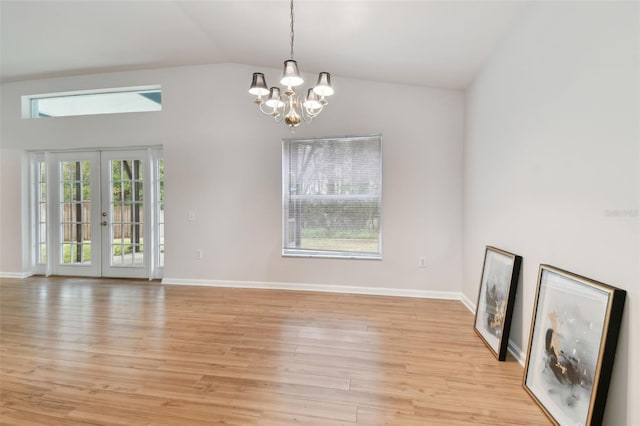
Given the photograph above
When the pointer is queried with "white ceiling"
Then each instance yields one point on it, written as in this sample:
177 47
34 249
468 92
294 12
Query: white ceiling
430 43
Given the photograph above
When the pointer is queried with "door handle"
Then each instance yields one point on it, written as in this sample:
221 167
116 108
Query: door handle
103 223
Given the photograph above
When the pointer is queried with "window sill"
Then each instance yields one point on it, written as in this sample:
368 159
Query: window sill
330 254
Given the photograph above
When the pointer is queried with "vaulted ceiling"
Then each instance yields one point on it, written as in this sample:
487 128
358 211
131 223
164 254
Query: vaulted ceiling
430 43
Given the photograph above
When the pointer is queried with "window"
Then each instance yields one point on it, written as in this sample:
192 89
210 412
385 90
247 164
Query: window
106 101
332 197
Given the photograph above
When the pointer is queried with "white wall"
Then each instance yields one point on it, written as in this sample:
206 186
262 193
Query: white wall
223 162
11 208
551 164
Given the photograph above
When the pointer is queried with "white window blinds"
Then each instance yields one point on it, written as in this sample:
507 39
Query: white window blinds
332 191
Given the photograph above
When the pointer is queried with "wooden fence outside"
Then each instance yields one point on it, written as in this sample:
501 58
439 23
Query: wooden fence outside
120 215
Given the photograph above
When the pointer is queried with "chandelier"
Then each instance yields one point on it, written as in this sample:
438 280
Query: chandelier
287 105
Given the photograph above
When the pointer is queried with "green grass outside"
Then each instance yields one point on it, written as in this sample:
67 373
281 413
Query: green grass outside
68 249
347 244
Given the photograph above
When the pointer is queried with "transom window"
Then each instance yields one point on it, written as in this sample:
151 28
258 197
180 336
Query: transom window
103 101
332 191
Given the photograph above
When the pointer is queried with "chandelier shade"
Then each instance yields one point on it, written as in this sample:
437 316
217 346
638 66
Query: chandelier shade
312 102
258 85
291 75
286 105
323 88
274 98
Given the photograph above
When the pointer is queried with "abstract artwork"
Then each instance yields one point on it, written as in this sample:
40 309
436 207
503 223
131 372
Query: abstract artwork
495 299
572 346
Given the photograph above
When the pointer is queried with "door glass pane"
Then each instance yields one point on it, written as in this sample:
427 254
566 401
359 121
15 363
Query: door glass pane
127 213
75 209
41 212
160 195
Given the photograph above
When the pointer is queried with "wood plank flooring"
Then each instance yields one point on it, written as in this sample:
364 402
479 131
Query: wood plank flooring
119 352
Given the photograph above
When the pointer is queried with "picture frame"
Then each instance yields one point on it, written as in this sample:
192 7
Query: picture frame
572 345
496 297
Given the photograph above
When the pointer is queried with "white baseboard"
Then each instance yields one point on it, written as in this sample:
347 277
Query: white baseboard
468 303
517 353
374 291
19 275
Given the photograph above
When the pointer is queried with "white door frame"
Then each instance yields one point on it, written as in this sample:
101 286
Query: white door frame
100 183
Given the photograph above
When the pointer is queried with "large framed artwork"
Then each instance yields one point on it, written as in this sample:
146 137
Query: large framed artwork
496 297
572 345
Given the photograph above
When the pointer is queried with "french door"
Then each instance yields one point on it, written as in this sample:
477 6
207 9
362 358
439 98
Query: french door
102 214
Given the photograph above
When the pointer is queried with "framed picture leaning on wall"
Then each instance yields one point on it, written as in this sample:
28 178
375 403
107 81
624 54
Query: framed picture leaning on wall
496 297
572 345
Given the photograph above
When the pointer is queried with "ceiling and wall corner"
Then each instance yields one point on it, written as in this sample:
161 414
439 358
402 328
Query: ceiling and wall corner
428 43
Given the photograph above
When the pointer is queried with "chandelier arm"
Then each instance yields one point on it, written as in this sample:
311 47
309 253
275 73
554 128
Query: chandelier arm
267 112
282 110
314 112
305 115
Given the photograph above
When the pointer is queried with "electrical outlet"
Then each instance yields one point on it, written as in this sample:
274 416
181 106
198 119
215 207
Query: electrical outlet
422 262
199 254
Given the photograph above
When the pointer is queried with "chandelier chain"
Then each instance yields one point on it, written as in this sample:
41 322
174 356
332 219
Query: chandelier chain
292 34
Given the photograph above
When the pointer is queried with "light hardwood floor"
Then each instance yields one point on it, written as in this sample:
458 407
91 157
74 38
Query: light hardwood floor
119 352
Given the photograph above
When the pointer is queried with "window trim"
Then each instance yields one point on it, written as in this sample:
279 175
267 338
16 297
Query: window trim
330 254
